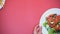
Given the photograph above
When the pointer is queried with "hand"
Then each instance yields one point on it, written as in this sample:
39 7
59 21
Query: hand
37 29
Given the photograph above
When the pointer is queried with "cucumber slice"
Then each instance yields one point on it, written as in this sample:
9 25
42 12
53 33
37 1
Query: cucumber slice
51 31
47 26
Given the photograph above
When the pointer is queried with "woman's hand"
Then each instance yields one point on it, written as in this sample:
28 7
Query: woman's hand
37 29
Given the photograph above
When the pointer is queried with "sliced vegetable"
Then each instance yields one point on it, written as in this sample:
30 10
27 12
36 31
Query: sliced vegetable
51 31
44 24
47 26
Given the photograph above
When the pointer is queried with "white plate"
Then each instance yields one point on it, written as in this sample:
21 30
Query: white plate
3 1
47 13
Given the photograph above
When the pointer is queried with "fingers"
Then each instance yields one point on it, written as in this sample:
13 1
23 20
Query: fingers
40 31
36 26
37 29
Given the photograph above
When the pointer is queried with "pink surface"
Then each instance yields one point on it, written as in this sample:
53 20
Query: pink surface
20 16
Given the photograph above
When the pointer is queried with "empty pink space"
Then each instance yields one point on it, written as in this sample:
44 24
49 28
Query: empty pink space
20 16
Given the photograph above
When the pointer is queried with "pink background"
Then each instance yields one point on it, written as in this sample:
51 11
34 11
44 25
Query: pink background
20 16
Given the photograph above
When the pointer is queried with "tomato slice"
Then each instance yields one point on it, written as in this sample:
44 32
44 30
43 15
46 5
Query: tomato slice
52 20
58 17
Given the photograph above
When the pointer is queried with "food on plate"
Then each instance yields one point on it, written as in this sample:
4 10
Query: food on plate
52 24
1 2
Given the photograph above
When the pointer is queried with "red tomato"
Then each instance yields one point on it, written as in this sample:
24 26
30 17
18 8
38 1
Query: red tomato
56 28
53 20
50 19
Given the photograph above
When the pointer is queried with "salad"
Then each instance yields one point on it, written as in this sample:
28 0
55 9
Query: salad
52 24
